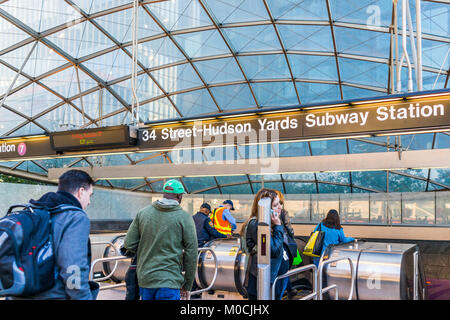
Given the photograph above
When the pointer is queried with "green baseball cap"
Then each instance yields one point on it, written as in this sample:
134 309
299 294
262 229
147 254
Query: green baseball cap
173 186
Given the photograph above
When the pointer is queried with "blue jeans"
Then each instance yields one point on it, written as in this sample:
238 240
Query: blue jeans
159 294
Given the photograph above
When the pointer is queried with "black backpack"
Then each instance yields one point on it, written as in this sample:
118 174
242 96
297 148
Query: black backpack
27 260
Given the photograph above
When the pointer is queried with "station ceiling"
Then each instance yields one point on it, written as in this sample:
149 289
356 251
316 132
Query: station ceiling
200 57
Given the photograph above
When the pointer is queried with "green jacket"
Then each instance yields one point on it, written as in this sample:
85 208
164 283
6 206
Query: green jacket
165 238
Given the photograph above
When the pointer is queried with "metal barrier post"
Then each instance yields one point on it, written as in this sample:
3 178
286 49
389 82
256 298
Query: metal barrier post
416 275
296 271
352 272
215 272
263 255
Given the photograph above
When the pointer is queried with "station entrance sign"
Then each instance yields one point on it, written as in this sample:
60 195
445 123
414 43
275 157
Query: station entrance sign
390 115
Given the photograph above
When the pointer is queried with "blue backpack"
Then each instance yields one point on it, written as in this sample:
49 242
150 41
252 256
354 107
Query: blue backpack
27 260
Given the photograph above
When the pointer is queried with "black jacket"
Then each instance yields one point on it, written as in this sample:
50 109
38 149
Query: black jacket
205 229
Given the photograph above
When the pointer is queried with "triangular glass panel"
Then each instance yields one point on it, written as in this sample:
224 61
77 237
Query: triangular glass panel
370 179
293 149
92 101
32 100
146 89
234 97
431 80
41 15
177 78
9 120
356 93
435 18
62 118
202 44
253 38
442 141
42 59
377 13
111 65
158 52
195 103
317 92
362 42
120 25
231 11
298 10
10 34
330 188
356 146
7 76
81 39
328 147
231 179
298 176
219 70
160 109
313 67
306 37
272 94
91 6
117 119
28 130
300 188
440 175
237 189
65 82
180 14
265 66
417 141
400 183
364 72
338 177
435 54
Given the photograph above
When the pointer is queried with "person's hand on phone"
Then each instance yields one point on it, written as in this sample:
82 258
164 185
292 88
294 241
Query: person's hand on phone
275 217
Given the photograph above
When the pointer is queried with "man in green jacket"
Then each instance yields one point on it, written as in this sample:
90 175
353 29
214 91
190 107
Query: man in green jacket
164 238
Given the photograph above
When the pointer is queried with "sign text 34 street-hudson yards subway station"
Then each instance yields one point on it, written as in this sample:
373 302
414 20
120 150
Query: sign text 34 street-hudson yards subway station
273 127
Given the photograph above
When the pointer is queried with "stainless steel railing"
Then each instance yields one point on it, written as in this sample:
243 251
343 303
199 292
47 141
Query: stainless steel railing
353 276
216 267
312 295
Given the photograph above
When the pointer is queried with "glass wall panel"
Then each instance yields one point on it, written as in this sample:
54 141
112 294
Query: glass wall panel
321 204
354 208
418 208
443 208
394 208
378 205
299 207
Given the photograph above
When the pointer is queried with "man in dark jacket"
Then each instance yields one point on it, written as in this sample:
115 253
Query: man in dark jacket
71 238
205 227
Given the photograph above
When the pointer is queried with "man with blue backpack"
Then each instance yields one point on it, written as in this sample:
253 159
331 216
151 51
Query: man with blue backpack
44 246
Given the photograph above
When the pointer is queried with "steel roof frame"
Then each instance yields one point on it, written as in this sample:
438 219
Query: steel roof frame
101 84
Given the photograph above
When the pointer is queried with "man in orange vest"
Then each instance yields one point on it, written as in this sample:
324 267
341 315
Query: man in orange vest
222 218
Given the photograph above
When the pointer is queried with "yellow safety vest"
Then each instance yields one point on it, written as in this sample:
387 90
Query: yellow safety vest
221 225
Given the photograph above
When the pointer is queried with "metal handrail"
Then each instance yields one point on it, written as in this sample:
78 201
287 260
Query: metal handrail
91 272
110 244
296 271
332 287
216 266
352 272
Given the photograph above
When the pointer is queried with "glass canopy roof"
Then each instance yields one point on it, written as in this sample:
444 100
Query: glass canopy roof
198 57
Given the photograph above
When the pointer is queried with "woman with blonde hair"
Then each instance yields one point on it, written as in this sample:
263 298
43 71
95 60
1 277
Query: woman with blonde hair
249 232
